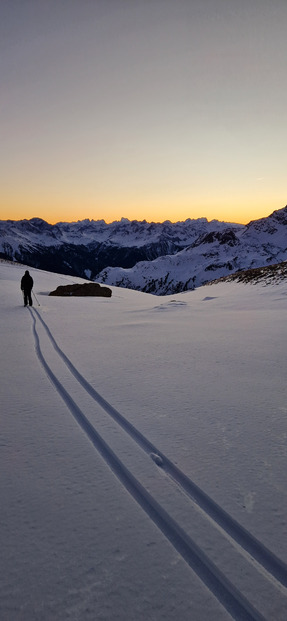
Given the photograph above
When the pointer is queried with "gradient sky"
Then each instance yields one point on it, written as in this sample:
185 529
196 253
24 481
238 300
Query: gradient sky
144 109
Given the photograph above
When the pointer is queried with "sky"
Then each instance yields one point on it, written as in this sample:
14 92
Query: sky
143 109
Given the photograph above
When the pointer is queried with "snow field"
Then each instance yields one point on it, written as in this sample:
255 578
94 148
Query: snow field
201 376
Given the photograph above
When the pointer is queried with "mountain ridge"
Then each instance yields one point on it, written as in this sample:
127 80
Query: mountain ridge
211 256
86 247
268 275
158 258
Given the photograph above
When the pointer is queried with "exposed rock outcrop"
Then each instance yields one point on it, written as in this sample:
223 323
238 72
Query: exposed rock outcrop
266 275
90 289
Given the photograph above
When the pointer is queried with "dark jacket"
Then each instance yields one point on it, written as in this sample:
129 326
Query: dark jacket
27 282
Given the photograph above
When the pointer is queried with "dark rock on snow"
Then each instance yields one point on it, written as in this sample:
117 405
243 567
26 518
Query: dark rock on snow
86 289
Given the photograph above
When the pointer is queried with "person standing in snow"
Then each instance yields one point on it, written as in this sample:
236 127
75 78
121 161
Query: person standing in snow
27 286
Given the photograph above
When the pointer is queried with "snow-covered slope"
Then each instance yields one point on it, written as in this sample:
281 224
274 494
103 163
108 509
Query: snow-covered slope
143 454
268 275
211 256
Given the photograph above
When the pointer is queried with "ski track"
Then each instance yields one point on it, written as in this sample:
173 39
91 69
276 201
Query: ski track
271 563
229 596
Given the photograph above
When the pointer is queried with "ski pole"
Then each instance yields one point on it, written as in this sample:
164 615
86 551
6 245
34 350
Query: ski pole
36 298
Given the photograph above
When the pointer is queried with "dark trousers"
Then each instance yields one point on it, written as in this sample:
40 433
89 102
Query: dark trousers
27 297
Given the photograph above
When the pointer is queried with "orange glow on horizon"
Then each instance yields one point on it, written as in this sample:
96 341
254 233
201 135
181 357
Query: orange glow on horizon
151 213
102 120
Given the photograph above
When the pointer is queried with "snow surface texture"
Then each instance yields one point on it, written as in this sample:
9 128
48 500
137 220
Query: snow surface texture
143 454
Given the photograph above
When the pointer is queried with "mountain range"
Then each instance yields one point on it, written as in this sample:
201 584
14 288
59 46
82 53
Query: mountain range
160 258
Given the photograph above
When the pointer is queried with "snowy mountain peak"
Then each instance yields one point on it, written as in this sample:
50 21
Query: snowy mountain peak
161 257
271 223
212 255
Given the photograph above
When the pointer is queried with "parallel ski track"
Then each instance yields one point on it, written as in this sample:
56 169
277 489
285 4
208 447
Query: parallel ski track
271 563
230 597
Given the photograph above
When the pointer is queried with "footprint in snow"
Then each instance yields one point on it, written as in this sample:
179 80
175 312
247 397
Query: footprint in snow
170 305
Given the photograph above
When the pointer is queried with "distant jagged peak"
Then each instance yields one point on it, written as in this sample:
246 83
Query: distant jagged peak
279 216
35 224
39 221
226 236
